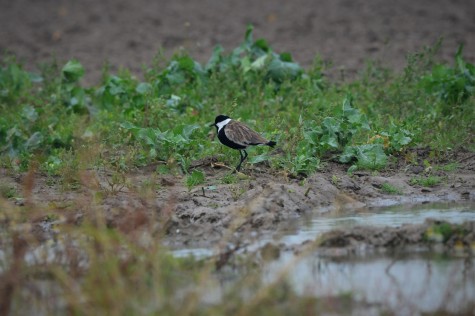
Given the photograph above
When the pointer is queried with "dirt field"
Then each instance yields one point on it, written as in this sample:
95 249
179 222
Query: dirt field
129 33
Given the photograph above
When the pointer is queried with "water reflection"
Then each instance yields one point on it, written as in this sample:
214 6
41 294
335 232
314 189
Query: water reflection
416 282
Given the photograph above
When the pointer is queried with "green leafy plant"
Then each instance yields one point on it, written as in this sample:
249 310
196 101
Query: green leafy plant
165 144
452 85
15 82
253 57
163 118
369 156
335 133
73 95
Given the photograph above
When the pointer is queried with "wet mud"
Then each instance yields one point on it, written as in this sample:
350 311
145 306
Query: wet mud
163 208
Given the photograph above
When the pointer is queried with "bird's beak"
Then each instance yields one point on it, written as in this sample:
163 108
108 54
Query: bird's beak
214 124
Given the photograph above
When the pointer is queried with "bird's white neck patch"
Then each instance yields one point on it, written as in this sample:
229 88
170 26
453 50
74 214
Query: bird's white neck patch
222 124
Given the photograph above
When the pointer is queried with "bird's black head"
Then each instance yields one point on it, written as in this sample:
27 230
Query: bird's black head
219 118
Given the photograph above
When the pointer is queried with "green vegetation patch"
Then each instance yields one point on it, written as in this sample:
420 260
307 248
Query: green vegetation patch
426 181
391 189
51 119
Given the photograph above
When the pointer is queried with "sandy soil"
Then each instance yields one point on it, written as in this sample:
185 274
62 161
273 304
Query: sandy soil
130 33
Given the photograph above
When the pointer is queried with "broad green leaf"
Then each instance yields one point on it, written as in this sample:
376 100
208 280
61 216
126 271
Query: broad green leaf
352 169
260 47
258 158
287 57
149 135
36 78
248 36
279 70
189 129
30 113
186 63
72 71
353 115
246 64
128 126
34 141
215 58
371 156
173 101
331 125
152 153
329 140
259 63
143 88
349 153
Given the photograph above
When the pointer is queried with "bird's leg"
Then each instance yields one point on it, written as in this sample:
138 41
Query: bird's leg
238 168
245 156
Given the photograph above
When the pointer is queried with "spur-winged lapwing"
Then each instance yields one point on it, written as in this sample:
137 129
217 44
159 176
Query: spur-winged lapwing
238 136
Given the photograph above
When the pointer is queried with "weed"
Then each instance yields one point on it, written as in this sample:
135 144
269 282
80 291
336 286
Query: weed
390 189
195 178
336 180
116 182
448 167
428 181
148 187
7 191
441 232
451 85
237 191
229 178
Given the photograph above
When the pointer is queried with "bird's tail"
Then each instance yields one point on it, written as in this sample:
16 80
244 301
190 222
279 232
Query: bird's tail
271 143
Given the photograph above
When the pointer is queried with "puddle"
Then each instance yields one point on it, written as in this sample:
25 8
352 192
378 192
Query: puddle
309 228
407 285
404 284
394 216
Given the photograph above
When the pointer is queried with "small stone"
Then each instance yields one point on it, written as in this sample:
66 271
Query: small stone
168 182
416 169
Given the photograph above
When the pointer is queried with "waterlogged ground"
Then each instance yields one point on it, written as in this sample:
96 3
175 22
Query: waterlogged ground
327 234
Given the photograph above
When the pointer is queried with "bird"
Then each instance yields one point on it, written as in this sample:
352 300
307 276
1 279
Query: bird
237 135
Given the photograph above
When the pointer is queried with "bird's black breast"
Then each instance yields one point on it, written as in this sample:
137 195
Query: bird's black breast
226 141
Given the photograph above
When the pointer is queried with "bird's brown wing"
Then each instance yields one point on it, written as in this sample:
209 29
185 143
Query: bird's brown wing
241 134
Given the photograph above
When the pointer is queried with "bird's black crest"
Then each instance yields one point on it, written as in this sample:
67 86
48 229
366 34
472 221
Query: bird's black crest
220 118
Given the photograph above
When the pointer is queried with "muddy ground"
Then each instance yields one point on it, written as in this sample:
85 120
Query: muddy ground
162 206
130 33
